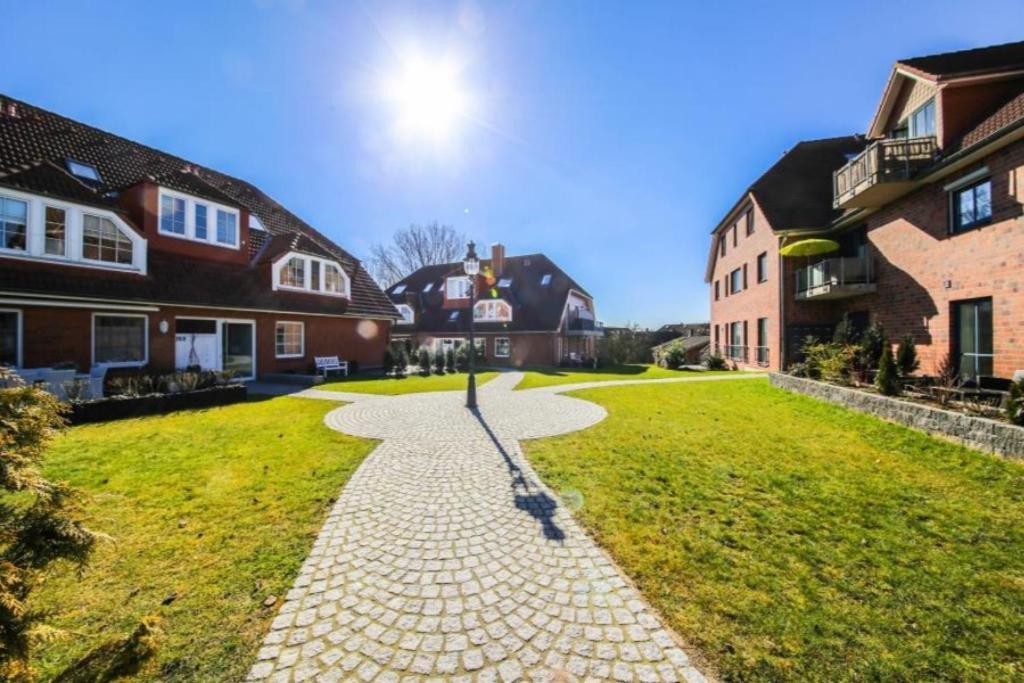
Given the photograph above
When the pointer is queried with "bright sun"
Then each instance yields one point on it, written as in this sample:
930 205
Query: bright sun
429 98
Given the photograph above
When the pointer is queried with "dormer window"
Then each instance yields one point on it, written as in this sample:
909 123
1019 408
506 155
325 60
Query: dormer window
492 310
458 287
408 315
13 223
399 289
545 280
84 171
199 220
453 316
312 274
505 282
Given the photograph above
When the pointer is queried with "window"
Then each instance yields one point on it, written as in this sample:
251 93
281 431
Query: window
288 340
716 291
453 316
762 341
505 282
493 310
119 339
430 286
104 241
294 273
750 221
721 244
202 230
458 287
10 338
744 276
408 315
762 267
736 341
83 170
227 227
972 321
921 123
735 236
972 206
502 347
333 281
398 289
172 215
545 279
55 242
736 281
13 223
314 275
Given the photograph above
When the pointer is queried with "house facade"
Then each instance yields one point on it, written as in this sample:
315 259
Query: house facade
528 311
117 255
928 216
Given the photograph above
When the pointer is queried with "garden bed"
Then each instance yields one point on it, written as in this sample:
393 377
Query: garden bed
121 407
993 436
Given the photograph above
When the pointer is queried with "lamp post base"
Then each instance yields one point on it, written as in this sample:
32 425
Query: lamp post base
471 392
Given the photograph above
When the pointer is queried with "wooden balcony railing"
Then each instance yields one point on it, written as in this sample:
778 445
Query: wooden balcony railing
891 160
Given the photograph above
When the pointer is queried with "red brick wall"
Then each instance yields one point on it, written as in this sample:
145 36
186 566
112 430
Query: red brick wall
758 300
52 335
922 268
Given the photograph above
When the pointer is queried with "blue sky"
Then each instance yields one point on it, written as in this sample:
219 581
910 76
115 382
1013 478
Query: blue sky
611 136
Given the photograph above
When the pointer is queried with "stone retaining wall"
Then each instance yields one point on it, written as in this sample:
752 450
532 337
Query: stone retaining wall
982 433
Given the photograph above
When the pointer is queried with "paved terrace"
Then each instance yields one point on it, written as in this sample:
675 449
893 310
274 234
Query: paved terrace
446 558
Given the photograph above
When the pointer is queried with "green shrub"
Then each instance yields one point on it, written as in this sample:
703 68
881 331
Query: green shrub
713 361
462 358
401 363
389 361
424 361
439 362
888 380
831 362
1015 404
449 360
869 351
674 357
844 332
906 356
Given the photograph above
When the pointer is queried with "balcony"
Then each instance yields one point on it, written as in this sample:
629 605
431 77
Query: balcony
836 278
581 323
882 172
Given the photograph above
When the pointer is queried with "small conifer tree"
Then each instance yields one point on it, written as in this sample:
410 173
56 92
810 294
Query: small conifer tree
424 361
449 360
389 361
401 363
887 380
439 362
906 356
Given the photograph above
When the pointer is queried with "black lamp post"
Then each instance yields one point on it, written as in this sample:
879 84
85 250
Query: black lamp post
471 265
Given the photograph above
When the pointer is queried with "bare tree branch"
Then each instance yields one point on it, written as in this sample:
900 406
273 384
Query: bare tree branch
413 248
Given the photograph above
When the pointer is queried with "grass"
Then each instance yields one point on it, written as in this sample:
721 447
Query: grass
410 384
789 539
544 377
215 507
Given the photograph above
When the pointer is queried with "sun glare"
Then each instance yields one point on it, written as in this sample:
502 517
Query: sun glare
429 99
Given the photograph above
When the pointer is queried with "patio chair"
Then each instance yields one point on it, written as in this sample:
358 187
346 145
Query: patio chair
97 378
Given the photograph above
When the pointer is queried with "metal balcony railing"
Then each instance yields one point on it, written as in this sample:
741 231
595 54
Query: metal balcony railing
736 352
835 277
885 161
761 355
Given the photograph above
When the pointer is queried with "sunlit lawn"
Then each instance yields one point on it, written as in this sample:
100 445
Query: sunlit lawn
543 377
216 507
410 384
788 539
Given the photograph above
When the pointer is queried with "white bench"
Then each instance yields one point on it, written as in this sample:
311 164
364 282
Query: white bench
326 364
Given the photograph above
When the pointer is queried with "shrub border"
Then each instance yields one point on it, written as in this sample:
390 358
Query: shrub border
981 433
119 408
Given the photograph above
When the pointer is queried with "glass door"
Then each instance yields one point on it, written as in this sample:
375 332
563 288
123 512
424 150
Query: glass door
973 320
239 348
9 338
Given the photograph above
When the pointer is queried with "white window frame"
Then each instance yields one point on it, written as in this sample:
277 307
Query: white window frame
19 358
74 217
283 260
302 339
120 364
190 219
408 315
487 304
508 342
457 287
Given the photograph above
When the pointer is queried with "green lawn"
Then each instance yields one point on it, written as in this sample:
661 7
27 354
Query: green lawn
218 507
788 539
544 377
410 384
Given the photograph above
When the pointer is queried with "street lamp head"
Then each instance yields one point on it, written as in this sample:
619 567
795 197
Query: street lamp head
471 263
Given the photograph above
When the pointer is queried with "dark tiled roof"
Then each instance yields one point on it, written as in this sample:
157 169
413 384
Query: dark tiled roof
1010 113
49 179
31 137
796 192
535 307
1006 57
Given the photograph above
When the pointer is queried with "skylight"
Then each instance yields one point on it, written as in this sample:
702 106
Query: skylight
430 286
398 290
505 282
545 280
83 170
255 223
454 315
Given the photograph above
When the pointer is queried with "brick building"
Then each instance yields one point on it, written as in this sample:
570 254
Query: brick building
529 311
118 255
926 208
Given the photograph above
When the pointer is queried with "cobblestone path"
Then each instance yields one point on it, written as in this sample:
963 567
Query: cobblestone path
445 558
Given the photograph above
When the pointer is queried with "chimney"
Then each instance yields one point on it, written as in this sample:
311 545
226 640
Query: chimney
497 258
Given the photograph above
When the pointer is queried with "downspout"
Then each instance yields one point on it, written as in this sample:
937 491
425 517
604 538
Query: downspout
782 305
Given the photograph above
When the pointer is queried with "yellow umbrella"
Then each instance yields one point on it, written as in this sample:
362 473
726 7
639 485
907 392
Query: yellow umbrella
809 247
